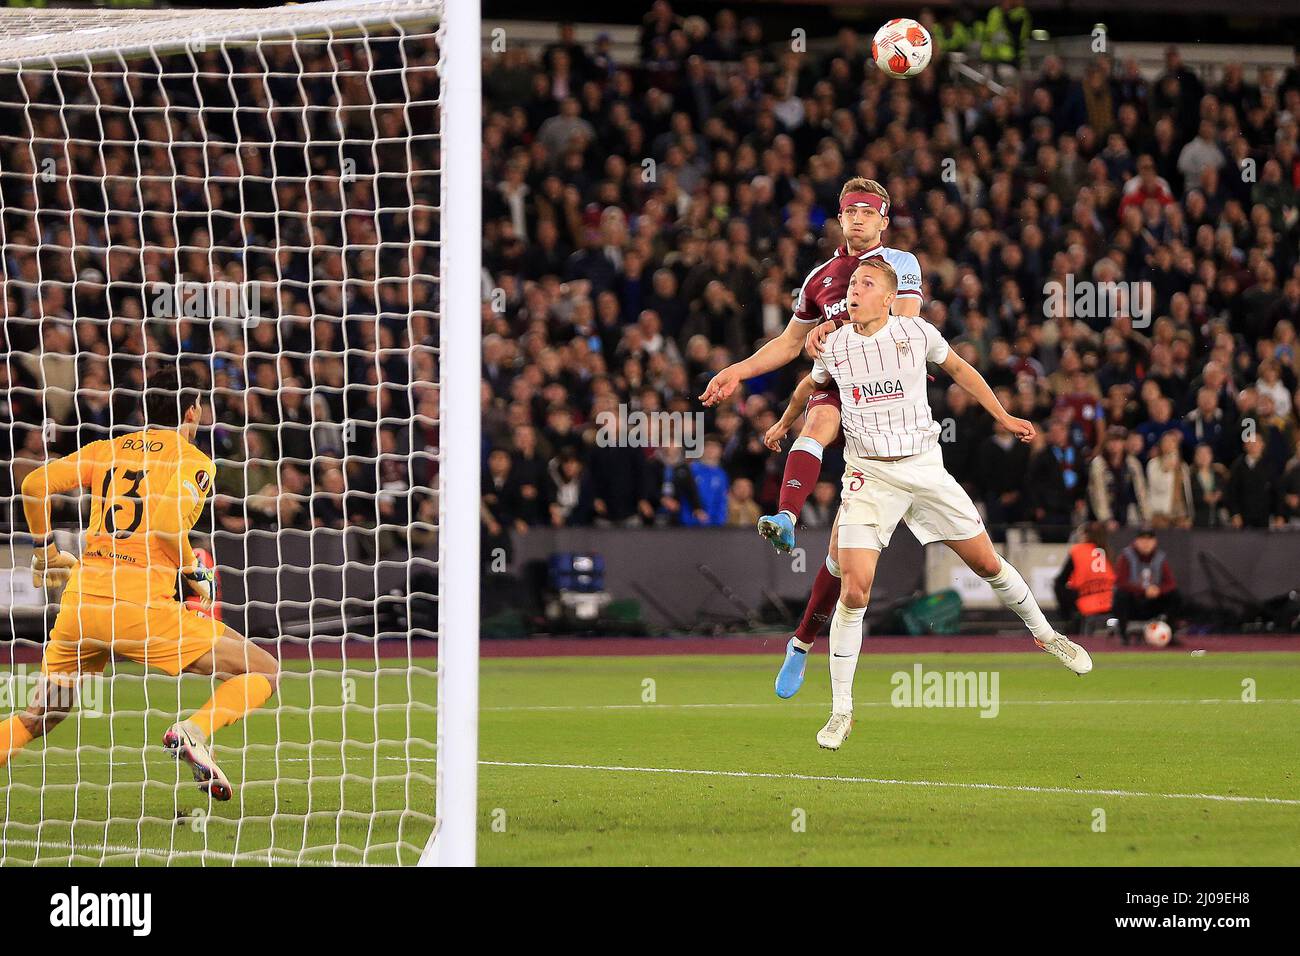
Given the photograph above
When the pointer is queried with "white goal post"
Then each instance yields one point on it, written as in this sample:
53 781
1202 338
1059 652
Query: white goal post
454 841
321 163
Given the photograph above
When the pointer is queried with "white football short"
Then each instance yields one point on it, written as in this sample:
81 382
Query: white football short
876 495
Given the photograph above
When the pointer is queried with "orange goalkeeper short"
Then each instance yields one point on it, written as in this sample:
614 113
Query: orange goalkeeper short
89 630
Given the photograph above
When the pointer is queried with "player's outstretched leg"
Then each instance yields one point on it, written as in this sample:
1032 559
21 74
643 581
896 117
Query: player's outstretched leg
1015 594
47 710
821 605
803 466
184 741
846 645
249 677
778 529
858 570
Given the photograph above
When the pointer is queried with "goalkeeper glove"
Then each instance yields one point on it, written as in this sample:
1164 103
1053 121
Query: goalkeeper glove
51 567
203 582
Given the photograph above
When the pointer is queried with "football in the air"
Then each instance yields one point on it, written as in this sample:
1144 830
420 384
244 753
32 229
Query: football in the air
902 47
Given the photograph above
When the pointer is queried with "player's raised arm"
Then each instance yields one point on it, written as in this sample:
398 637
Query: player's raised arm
908 298
772 355
51 567
807 385
972 381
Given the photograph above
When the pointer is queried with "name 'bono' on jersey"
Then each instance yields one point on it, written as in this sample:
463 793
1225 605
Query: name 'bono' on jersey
885 412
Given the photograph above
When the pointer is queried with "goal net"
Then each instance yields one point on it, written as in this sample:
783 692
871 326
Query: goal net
259 196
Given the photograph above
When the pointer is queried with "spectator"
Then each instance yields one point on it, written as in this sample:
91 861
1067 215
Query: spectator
673 490
619 475
1206 424
1117 484
1144 583
503 502
1001 462
1056 482
1249 494
1289 493
570 494
742 509
1086 583
1209 483
1201 154
1006 32
1169 485
621 288
711 481
820 510
1161 411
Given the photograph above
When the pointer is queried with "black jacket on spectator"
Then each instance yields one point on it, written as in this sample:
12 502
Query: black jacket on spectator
999 471
1288 493
530 473
674 481
577 495
505 500
959 455
1250 492
723 327
672 313
1048 489
619 478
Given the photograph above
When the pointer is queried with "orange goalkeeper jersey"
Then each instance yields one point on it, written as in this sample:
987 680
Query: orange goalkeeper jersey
146 487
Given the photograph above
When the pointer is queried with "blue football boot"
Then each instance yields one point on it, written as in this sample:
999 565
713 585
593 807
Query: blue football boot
779 530
790 677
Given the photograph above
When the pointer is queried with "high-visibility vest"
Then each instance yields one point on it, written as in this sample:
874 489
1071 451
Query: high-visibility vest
1094 587
1005 34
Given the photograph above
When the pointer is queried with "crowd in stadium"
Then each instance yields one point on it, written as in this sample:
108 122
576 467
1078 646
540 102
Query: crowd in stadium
647 225
120 228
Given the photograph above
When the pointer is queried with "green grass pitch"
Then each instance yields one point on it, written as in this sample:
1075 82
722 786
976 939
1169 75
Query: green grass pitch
1136 724
1150 760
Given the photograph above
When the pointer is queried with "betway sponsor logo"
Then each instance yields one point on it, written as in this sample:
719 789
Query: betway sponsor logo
835 308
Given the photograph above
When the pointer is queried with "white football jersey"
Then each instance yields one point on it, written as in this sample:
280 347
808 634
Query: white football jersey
884 409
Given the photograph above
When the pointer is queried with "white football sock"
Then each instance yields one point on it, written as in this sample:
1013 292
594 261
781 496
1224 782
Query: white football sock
1012 591
846 644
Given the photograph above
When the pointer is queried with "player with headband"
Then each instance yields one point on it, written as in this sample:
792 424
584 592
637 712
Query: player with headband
820 308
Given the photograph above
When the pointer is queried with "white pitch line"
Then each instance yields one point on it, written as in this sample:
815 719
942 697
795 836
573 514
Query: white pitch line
872 703
884 781
278 856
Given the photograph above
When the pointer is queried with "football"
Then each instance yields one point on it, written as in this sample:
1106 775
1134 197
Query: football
1158 634
902 47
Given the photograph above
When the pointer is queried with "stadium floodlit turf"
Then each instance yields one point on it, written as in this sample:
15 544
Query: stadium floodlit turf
1196 766
302 795
1153 759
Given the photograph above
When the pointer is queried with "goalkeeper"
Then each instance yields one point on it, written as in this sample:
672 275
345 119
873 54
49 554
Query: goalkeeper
147 490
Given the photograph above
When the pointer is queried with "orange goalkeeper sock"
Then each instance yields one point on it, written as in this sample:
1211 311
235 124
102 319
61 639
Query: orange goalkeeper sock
14 736
232 700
